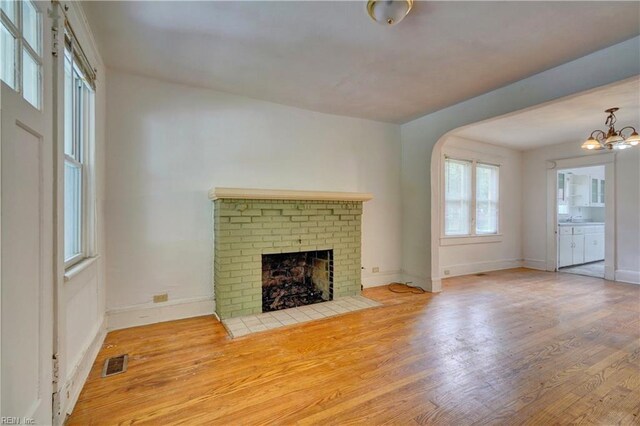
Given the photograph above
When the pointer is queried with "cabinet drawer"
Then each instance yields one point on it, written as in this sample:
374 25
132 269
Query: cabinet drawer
564 230
578 230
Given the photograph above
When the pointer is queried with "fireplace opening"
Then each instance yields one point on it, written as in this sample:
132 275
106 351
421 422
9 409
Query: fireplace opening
296 279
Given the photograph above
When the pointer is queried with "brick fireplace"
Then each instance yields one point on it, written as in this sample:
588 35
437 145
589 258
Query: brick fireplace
311 238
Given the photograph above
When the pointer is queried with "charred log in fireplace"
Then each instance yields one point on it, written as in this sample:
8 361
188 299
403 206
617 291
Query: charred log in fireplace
296 279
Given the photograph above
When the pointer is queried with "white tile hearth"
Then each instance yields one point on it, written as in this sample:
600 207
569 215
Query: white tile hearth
241 326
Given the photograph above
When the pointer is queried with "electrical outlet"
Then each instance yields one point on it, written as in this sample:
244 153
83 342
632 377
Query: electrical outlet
447 272
375 269
159 298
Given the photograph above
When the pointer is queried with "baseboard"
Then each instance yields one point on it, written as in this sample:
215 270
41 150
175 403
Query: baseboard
625 276
540 265
477 267
381 278
427 284
136 315
70 390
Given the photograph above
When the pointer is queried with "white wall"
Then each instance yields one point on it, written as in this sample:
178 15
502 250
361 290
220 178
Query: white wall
81 309
627 196
421 135
168 144
506 250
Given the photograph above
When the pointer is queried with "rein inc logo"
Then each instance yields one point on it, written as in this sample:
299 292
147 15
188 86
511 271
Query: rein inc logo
9 420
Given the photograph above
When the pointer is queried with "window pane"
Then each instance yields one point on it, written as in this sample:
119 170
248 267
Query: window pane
9 9
7 68
457 180
31 25
30 79
486 199
72 210
68 105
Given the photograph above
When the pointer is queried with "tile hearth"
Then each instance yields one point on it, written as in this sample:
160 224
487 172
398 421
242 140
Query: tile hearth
242 326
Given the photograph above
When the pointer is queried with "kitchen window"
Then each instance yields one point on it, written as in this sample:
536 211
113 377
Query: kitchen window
471 198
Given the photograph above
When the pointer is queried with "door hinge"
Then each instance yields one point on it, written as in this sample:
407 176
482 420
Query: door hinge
54 41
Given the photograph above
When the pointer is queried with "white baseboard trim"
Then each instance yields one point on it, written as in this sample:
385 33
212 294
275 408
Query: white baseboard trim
432 286
381 278
540 265
477 267
70 390
625 276
136 315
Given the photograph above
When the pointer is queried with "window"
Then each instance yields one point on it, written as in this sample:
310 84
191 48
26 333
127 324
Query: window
78 144
471 202
21 54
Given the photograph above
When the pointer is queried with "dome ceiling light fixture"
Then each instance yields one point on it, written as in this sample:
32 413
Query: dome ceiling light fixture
388 12
611 139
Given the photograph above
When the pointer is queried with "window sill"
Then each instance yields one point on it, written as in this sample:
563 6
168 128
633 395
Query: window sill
74 270
470 239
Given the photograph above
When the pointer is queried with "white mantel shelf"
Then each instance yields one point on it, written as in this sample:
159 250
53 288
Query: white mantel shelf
283 194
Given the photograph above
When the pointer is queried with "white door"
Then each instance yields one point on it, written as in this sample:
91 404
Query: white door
26 279
578 249
565 250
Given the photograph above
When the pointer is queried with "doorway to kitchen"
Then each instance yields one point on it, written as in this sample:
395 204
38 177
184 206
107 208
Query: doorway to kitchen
581 220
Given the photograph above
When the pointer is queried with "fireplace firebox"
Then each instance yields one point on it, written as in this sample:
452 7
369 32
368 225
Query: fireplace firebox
296 279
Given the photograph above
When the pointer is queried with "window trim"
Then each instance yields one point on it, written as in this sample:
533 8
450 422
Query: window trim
473 237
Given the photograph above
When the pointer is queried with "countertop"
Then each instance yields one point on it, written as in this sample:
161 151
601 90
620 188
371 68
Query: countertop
580 223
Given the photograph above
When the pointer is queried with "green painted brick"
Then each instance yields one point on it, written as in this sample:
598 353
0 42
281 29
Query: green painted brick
246 230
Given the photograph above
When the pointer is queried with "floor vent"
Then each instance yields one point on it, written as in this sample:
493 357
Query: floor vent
115 365
481 274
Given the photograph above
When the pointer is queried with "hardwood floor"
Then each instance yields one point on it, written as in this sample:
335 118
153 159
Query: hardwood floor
511 347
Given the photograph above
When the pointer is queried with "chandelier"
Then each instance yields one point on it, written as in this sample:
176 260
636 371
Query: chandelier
611 139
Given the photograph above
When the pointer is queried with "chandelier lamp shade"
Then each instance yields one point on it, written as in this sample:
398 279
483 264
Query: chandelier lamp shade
612 138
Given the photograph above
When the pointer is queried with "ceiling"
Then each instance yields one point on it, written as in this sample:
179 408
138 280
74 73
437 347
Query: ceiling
330 57
569 119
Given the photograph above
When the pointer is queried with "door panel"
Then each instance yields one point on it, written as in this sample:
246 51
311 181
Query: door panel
565 251
26 251
578 249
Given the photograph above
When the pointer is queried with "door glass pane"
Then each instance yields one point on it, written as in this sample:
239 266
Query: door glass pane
486 199
72 210
9 9
8 56
457 180
602 191
31 25
30 79
594 190
68 105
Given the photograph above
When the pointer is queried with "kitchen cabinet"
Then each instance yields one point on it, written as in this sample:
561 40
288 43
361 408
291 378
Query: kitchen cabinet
594 244
597 192
580 244
579 190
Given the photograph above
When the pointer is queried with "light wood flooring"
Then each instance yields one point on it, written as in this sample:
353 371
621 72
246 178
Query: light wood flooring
510 347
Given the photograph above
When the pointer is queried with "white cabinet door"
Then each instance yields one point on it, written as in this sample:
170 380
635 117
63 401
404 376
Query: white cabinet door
590 247
578 249
565 250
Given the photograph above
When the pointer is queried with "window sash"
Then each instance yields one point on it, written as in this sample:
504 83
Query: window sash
78 138
478 208
457 196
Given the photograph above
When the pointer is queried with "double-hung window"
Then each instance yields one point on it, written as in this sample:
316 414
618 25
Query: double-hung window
21 49
79 113
471 203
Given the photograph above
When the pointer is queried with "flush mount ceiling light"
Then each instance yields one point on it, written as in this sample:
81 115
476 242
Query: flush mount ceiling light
388 12
612 139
